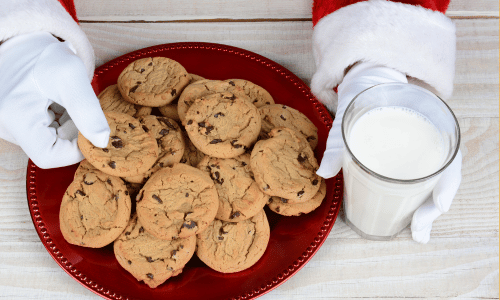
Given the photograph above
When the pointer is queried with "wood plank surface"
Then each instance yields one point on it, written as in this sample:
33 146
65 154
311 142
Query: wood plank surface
176 10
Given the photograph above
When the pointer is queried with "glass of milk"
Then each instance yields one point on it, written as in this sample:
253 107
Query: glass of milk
398 140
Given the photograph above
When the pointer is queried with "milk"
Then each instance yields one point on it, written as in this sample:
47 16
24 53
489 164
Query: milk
397 143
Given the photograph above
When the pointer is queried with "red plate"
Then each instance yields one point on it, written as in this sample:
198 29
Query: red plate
294 240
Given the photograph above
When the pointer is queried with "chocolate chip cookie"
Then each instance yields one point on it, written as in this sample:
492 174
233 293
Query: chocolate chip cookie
286 207
153 81
223 125
203 88
284 165
111 100
177 202
230 247
239 195
148 258
94 210
170 144
130 151
279 115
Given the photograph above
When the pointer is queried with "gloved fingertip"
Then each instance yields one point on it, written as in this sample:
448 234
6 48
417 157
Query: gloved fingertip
325 172
101 139
421 237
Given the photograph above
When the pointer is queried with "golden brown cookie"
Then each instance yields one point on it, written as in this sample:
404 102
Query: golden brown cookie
284 165
177 202
151 259
95 209
223 125
230 247
170 144
285 207
130 151
152 81
239 195
170 111
192 156
203 88
257 94
279 115
111 100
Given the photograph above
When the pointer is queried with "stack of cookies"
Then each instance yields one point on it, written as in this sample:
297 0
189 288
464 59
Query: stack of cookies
201 158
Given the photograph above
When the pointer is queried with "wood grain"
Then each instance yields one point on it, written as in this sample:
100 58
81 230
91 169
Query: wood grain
176 10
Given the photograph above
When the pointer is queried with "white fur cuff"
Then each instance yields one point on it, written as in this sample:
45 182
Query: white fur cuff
413 40
26 16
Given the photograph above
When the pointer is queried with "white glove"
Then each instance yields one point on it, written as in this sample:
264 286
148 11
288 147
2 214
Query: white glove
360 77
37 70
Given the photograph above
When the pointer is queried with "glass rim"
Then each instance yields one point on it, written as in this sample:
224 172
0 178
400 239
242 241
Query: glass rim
395 180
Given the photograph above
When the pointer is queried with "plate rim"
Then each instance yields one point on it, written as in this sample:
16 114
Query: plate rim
281 276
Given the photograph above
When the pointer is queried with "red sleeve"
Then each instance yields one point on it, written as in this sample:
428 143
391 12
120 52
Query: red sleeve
69 5
322 8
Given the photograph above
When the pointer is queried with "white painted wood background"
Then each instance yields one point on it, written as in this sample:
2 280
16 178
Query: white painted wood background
461 260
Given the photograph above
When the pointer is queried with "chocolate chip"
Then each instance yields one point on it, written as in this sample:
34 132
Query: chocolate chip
141 230
208 129
215 141
254 101
88 182
105 150
221 238
284 200
278 209
221 231
142 70
183 160
157 199
310 138
132 90
173 253
112 164
187 194
161 165
164 131
173 92
301 158
270 200
219 114
79 192
116 197
190 122
145 128
150 64
108 181
266 187
299 194
117 142
237 146
149 259
235 215
243 163
189 225
150 276
81 217
233 97
282 117
127 233
126 193
215 176
231 83
284 106
129 262
315 182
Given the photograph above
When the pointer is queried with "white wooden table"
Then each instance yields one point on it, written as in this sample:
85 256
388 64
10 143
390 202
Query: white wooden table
461 259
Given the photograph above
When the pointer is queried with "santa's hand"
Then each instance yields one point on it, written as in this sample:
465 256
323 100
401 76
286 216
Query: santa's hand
440 202
37 70
361 76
